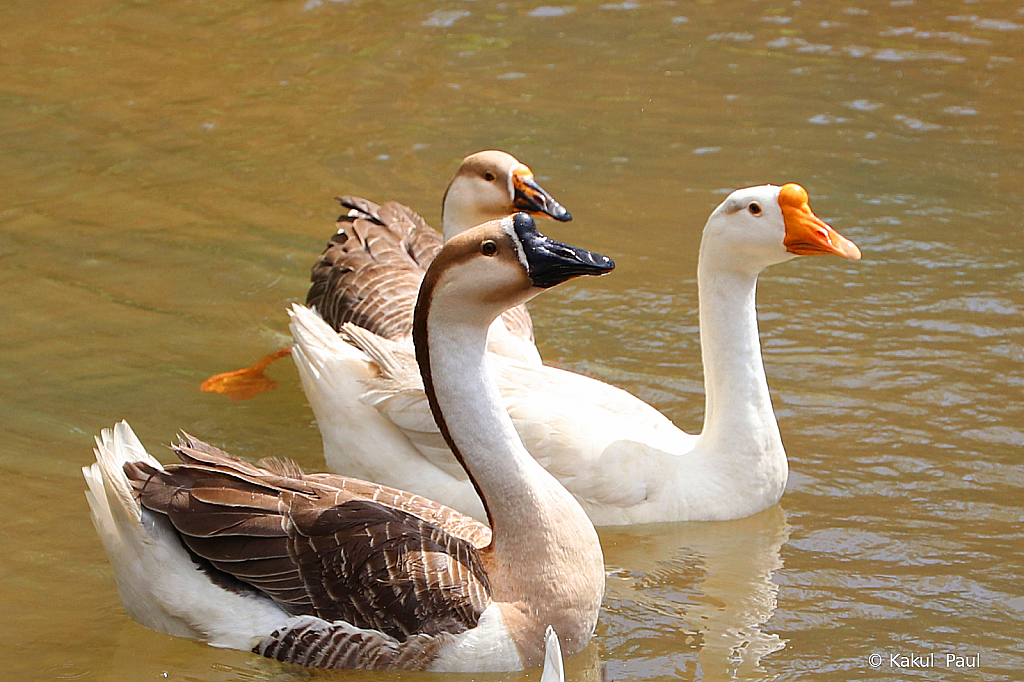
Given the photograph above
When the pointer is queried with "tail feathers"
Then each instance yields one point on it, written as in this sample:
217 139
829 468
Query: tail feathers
397 361
553 670
316 340
135 545
160 585
110 494
333 372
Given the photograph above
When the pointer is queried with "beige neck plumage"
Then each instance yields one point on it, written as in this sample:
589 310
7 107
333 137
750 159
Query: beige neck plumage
544 562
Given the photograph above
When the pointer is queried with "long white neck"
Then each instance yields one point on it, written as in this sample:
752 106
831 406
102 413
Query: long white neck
739 423
517 491
545 557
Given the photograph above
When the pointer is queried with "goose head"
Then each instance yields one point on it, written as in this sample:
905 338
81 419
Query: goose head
761 226
490 185
489 268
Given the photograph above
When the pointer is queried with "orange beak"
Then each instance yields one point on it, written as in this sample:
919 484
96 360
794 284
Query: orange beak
532 198
806 233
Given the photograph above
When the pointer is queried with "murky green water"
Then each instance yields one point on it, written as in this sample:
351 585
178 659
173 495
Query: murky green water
166 174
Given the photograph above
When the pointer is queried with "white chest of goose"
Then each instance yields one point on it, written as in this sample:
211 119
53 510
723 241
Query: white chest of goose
328 571
622 459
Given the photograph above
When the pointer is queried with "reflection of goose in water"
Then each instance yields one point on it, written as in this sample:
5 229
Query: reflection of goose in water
714 577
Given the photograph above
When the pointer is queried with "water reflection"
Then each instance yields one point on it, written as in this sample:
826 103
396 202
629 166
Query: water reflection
693 599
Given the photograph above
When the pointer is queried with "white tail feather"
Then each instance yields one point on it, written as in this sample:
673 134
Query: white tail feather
357 441
159 584
397 361
553 670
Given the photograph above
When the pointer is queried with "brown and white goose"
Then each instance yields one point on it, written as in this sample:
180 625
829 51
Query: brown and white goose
371 270
323 570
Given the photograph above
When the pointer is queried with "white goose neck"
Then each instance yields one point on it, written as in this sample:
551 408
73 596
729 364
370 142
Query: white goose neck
739 421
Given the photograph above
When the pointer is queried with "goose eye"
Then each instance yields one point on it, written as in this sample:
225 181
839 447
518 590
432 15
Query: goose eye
488 247
489 176
754 208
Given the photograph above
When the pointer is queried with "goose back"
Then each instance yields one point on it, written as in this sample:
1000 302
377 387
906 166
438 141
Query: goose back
371 270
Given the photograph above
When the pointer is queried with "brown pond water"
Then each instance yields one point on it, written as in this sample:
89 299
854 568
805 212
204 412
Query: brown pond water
166 180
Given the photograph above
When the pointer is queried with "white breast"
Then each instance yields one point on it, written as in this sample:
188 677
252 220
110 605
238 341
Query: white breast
486 648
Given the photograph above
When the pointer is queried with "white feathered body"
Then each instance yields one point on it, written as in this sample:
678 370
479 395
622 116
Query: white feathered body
622 459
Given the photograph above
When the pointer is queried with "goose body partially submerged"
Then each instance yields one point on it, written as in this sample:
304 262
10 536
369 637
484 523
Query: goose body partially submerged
328 571
622 459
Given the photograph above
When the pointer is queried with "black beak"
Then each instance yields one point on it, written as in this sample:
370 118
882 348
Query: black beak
552 262
531 197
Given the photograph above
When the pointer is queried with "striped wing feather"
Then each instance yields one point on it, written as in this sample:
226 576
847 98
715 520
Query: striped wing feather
316 643
326 546
371 270
453 522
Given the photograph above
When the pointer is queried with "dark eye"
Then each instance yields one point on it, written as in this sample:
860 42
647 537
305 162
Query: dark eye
488 247
489 176
754 208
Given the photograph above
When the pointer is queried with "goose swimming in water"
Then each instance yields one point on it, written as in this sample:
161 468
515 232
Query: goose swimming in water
622 459
328 571
371 270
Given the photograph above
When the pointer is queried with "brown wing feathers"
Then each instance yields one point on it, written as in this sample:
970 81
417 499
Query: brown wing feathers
385 569
420 240
319 549
316 643
371 270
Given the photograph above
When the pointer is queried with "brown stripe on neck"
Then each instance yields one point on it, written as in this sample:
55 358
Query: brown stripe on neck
421 343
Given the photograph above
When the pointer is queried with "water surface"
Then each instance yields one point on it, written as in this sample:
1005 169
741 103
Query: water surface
166 175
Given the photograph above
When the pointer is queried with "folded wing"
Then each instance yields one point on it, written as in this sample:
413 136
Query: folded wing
326 546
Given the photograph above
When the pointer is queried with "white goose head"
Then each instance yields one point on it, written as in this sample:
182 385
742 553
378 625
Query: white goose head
489 268
761 226
490 185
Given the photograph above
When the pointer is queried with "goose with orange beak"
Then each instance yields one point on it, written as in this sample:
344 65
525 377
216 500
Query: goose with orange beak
623 460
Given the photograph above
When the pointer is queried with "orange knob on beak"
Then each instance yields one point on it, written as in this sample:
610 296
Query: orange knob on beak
806 233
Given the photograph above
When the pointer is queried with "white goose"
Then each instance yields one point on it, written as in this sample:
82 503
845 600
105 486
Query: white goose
622 459
327 571
372 267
